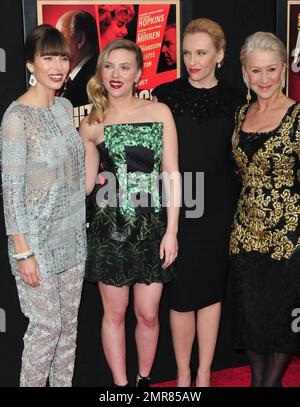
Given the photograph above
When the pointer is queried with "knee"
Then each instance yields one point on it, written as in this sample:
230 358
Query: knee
45 329
115 317
147 318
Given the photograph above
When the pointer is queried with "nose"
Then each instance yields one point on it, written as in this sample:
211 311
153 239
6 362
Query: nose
57 63
164 49
115 72
192 60
124 31
264 77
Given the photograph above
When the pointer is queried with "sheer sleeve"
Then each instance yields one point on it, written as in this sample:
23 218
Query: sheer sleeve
68 106
13 166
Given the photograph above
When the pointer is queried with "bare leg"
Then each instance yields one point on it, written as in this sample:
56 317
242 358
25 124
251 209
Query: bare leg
183 334
146 306
208 320
115 302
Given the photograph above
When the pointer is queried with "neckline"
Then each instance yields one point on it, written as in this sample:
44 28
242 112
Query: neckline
126 124
38 108
130 124
202 89
268 131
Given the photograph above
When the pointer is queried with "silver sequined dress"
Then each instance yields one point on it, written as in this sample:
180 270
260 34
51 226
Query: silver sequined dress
43 181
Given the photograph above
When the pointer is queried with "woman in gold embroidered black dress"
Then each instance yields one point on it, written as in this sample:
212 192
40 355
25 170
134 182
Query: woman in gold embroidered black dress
266 236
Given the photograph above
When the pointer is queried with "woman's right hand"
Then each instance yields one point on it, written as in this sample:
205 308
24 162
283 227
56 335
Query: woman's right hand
30 271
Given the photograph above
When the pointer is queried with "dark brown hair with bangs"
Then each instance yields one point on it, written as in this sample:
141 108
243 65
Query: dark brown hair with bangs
45 40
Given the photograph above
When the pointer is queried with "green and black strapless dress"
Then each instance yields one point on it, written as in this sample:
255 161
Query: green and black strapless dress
125 214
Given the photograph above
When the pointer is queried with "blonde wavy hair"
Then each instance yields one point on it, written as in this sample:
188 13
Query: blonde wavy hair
96 90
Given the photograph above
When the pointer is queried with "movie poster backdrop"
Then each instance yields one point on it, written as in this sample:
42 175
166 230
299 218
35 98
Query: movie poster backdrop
152 25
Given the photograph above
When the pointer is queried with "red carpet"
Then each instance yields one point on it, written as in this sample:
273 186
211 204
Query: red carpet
240 377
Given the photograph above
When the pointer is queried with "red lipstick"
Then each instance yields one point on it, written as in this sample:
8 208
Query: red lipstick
116 84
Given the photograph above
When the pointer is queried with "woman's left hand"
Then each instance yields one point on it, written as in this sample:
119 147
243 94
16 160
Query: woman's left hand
168 249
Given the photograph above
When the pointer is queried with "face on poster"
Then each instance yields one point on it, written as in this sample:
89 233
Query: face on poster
153 26
293 47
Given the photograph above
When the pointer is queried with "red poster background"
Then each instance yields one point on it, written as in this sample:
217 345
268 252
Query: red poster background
150 21
151 35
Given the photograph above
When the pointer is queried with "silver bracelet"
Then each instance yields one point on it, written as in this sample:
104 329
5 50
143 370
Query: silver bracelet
23 256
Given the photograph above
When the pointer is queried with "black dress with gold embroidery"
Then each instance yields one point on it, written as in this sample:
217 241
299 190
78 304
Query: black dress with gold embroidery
265 242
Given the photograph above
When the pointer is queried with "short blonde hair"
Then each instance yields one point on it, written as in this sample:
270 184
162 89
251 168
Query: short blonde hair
210 27
265 41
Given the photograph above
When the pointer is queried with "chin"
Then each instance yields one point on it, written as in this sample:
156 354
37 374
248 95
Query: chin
53 86
196 77
119 92
263 95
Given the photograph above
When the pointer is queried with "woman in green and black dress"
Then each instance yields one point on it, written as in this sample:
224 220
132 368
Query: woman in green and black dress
129 242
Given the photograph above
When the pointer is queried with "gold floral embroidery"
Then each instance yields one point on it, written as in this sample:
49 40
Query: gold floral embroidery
269 206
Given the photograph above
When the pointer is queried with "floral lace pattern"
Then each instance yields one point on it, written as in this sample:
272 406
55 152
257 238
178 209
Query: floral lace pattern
199 103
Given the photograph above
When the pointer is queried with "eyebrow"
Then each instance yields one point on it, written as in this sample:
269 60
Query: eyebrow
269 66
120 63
200 49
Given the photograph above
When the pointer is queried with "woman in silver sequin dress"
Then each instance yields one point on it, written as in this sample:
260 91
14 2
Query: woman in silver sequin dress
44 205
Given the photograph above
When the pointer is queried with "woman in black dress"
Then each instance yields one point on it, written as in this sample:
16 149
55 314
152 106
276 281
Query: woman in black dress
266 236
203 109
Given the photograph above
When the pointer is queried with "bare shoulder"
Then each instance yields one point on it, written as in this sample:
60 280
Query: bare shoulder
144 103
90 131
155 108
291 101
161 111
162 107
157 112
288 102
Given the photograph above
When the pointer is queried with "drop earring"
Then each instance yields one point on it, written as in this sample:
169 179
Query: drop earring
219 65
135 88
32 80
248 97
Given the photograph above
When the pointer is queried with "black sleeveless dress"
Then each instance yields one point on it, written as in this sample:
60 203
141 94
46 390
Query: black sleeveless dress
265 242
205 123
